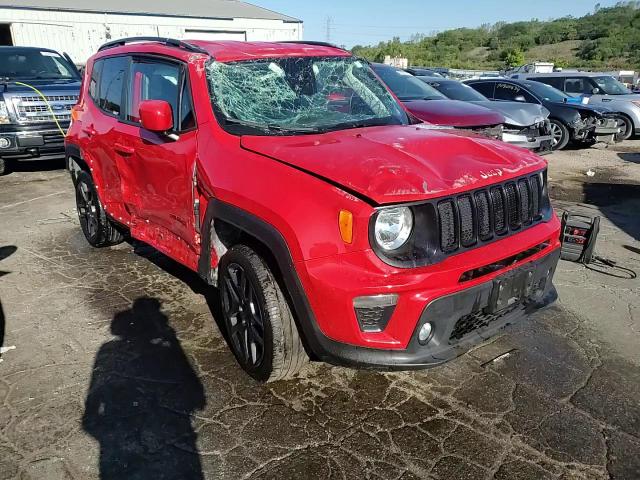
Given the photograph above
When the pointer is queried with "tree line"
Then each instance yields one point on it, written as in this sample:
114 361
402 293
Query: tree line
607 38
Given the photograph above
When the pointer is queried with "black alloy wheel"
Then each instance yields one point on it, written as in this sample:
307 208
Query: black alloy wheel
243 312
97 228
260 328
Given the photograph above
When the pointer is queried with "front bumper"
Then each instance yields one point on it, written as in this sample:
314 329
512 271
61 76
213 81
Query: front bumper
29 144
541 143
460 320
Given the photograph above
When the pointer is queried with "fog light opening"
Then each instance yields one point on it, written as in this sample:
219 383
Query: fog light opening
5 142
425 333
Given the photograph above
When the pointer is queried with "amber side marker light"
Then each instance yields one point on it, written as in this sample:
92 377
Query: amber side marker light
345 221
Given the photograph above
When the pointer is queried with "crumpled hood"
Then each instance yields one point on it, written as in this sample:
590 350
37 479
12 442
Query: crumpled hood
399 163
518 114
453 113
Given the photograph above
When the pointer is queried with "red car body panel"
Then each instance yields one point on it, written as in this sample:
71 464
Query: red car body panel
454 113
298 184
399 163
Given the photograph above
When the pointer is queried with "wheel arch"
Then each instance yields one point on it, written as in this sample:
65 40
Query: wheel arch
75 161
225 225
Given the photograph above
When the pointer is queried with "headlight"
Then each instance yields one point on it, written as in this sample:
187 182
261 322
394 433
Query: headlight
4 114
393 227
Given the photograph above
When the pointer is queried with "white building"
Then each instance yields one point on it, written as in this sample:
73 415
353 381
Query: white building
79 27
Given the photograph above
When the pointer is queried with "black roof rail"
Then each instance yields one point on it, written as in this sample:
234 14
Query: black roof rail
316 43
171 42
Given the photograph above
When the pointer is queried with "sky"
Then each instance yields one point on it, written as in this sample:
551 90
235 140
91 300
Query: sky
366 22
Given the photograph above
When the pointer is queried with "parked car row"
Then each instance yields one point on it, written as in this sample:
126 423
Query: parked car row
569 121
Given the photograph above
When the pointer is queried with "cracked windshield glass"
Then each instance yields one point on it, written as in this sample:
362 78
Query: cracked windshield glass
298 95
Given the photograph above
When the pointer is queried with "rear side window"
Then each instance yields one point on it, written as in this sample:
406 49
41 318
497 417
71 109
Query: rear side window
557 82
577 85
94 81
111 81
485 88
512 93
158 80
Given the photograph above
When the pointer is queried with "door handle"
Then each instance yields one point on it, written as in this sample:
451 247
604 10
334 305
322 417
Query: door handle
90 131
124 149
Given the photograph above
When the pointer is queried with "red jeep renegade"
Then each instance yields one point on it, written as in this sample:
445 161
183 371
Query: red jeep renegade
335 225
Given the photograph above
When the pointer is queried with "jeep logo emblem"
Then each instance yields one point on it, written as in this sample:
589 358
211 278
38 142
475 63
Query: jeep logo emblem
491 173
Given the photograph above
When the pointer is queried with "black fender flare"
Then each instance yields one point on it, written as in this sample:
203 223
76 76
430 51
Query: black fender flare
71 150
317 344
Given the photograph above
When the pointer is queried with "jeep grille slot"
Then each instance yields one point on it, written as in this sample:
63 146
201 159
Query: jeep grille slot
486 213
447 225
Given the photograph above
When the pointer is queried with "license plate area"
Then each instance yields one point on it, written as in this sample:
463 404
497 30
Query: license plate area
510 289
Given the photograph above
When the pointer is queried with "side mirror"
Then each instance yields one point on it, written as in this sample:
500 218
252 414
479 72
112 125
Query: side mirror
520 98
156 115
595 90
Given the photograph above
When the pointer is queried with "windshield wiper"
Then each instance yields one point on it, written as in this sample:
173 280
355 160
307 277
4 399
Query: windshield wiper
266 127
372 122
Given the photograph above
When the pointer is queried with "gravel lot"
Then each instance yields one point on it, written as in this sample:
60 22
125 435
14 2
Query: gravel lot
119 370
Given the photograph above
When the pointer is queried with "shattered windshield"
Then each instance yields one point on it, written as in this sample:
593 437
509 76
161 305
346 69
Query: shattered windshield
611 86
281 96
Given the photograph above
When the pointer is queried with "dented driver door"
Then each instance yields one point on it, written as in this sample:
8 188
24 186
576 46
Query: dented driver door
161 164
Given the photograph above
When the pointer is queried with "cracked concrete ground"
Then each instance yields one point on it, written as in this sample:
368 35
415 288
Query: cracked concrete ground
119 371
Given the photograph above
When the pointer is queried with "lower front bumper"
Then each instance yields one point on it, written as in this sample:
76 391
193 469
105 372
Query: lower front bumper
32 144
451 338
541 143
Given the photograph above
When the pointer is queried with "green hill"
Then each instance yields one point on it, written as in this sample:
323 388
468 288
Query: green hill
608 38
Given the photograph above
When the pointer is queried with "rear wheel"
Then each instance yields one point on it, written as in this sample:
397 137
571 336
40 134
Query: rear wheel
559 135
260 327
97 228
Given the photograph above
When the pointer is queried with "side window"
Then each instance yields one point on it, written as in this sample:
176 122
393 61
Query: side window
577 85
94 81
507 91
557 82
111 81
485 88
153 80
187 117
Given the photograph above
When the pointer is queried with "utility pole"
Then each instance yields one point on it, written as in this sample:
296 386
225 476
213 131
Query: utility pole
328 36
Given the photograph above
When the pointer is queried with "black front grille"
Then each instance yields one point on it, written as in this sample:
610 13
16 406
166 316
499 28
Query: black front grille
489 212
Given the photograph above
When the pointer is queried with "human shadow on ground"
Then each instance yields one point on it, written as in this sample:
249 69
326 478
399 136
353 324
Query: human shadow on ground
5 252
142 394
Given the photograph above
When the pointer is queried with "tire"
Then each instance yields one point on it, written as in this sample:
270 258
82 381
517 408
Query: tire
97 228
255 310
4 168
559 135
626 134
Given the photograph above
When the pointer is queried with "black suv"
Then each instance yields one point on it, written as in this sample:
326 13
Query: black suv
38 87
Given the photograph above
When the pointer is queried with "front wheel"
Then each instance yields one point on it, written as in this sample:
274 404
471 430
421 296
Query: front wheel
626 128
260 328
559 135
4 169
97 228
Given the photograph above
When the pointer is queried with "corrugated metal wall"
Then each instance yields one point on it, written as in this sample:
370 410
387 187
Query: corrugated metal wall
80 34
